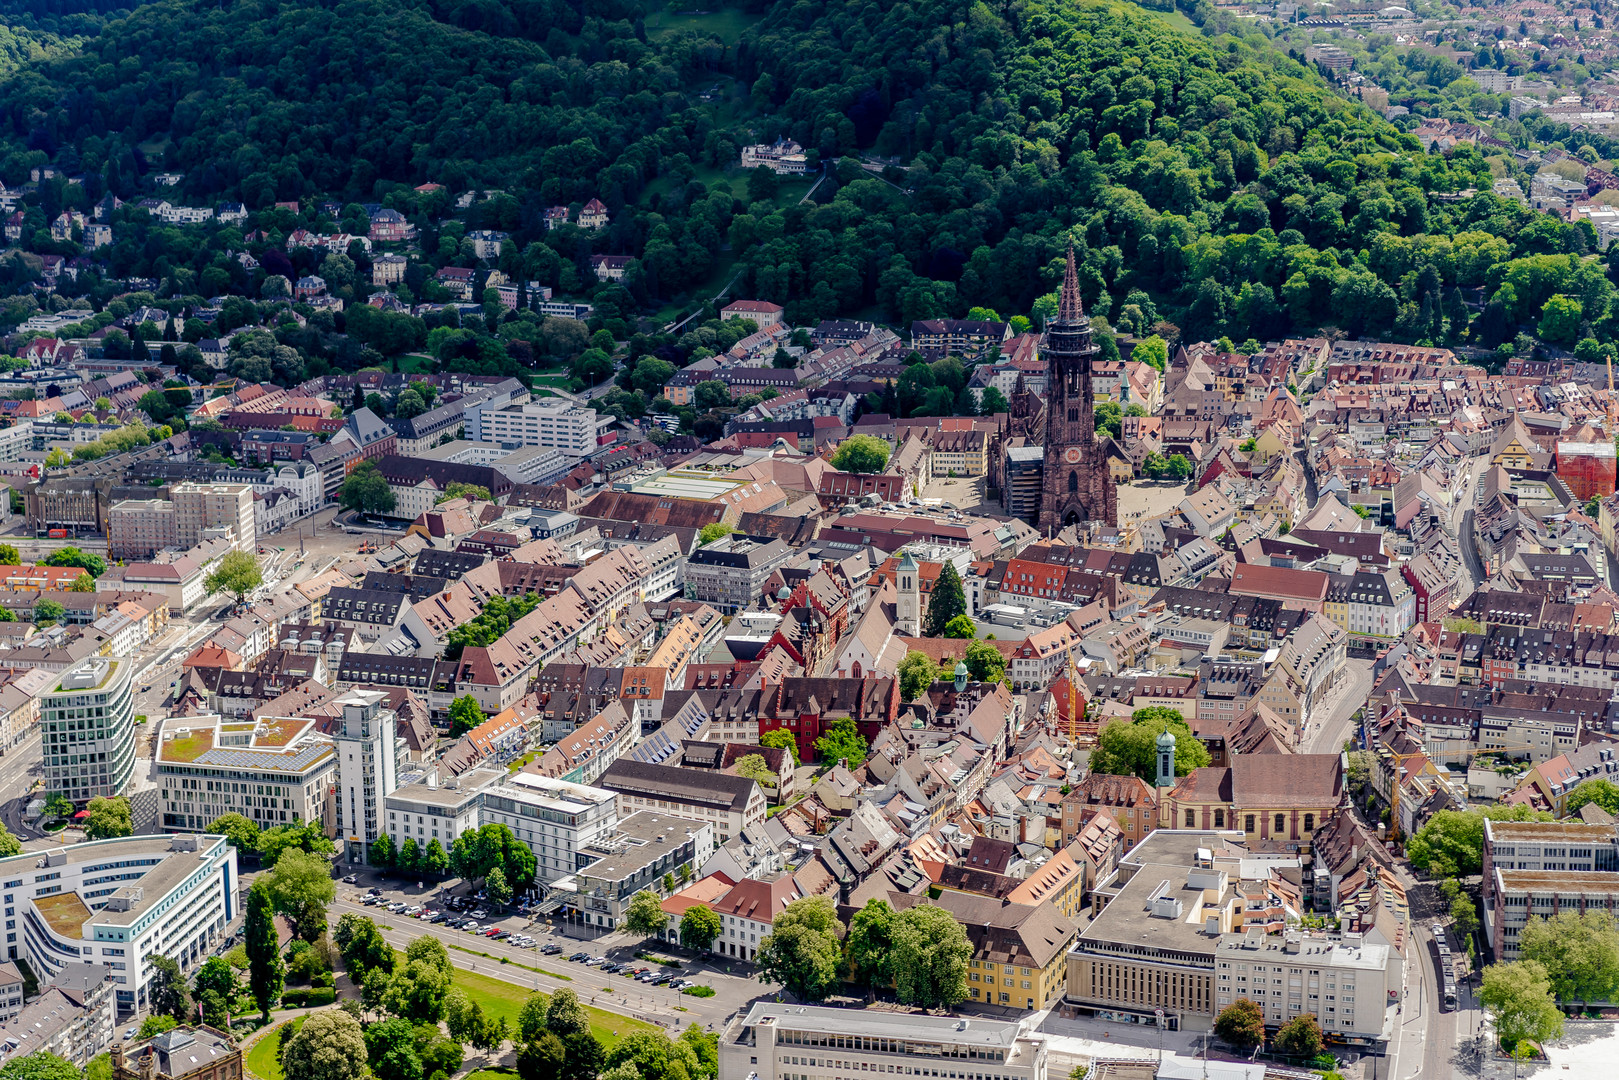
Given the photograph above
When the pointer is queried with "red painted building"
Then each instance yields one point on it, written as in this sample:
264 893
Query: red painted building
807 707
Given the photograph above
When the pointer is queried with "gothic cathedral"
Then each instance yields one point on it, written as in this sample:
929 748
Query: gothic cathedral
1075 485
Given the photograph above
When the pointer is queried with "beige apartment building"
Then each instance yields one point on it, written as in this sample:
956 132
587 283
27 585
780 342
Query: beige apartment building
193 512
1170 935
1344 981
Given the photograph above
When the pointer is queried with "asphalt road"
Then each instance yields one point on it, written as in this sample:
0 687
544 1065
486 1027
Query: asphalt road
1333 721
614 993
1464 529
18 769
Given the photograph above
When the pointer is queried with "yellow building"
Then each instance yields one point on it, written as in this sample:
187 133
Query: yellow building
1268 446
1283 798
1019 950
1513 447
1336 605
960 453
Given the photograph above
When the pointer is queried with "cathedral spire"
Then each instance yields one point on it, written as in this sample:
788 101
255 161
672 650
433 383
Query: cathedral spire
1070 309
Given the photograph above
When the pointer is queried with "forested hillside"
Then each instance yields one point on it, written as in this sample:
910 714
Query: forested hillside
1213 182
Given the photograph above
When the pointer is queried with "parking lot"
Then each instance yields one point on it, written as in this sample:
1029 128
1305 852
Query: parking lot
604 971
474 915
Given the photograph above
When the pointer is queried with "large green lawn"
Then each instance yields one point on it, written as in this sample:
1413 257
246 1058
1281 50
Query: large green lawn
411 364
264 1060
497 997
502 999
1175 19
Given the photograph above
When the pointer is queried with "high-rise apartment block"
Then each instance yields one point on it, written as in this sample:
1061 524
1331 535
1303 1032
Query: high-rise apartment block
87 728
367 769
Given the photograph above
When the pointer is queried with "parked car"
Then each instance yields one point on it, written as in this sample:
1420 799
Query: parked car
578 956
351 879
440 917
551 948
480 914
609 968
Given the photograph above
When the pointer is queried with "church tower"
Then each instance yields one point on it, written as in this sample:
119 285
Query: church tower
1076 486
908 607
1166 759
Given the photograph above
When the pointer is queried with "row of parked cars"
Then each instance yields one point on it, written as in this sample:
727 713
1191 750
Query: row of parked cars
651 976
470 922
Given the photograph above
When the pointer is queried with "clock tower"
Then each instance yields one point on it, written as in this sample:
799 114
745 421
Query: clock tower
1075 486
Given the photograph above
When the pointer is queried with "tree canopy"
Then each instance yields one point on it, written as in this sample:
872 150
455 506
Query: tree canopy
107 818
237 573
1518 997
1129 748
946 603
1579 951
1602 792
861 454
842 741
1242 1024
930 955
1451 842
802 950
40 1065
300 886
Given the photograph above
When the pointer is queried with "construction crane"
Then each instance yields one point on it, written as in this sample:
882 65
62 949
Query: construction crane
1399 767
1611 432
1073 698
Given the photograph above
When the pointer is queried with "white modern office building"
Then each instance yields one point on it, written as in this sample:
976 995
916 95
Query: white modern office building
555 818
436 808
368 749
547 422
809 1042
271 771
117 903
87 730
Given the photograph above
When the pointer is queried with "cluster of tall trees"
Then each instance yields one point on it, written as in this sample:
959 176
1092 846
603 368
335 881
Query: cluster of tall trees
921 952
394 1030
1212 186
491 854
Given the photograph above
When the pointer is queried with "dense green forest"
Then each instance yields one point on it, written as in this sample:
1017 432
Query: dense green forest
1212 183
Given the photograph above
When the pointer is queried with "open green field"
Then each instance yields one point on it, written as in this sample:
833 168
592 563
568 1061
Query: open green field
498 999
411 363
264 1060
726 24
502 999
1174 19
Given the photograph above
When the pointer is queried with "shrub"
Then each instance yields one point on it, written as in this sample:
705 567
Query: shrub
699 991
